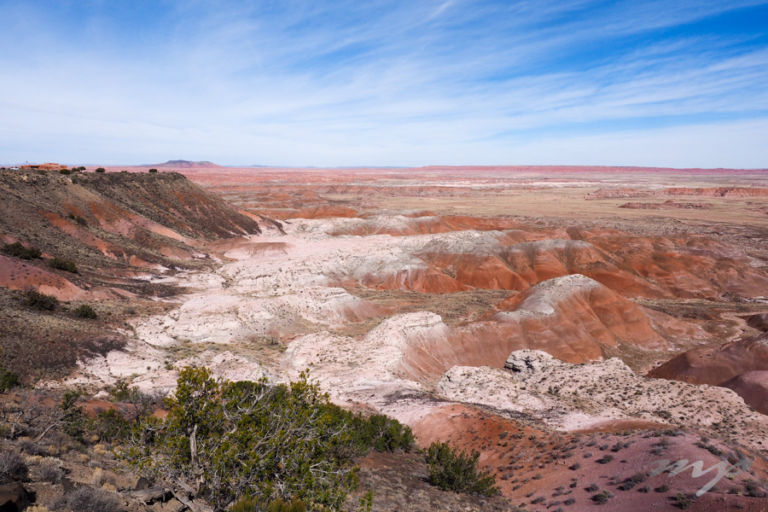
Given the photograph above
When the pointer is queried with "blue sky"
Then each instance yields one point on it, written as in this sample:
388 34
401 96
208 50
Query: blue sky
682 84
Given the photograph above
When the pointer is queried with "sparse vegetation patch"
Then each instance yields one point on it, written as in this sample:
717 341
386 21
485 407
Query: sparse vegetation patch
17 250
88 499
62 264
453 470
77 218
41 301
8 380
86 311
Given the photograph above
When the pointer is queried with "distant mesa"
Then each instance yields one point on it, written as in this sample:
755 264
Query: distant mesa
186 164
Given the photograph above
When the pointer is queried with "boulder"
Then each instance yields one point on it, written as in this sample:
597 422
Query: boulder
529 361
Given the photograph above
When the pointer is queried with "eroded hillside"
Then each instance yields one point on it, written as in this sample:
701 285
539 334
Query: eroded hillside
102 238
436 297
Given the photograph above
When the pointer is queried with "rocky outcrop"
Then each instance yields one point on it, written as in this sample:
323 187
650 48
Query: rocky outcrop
529 361
579 396
14 497
168 199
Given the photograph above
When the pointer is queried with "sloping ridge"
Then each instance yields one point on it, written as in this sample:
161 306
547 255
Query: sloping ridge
495 255
521 265
104 221
576 304
172 200
716 365
753 388
573 317
740 365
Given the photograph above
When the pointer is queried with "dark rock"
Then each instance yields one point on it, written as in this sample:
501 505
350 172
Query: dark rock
14 497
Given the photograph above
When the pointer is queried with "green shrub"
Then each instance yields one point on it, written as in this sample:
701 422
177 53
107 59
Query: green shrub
153 171
39 300
62 264
457 471
8 380
77 219
65 171
19 251
121 391
272 442
110 426
683 501
602 497
100 169
86 311
74 421
752 489
380 432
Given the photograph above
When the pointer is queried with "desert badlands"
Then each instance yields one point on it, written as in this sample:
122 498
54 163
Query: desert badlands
598 335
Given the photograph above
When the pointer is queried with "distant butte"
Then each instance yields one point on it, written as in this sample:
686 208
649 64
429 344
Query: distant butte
187 164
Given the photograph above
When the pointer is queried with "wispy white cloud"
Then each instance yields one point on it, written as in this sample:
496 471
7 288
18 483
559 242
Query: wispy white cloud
346 83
